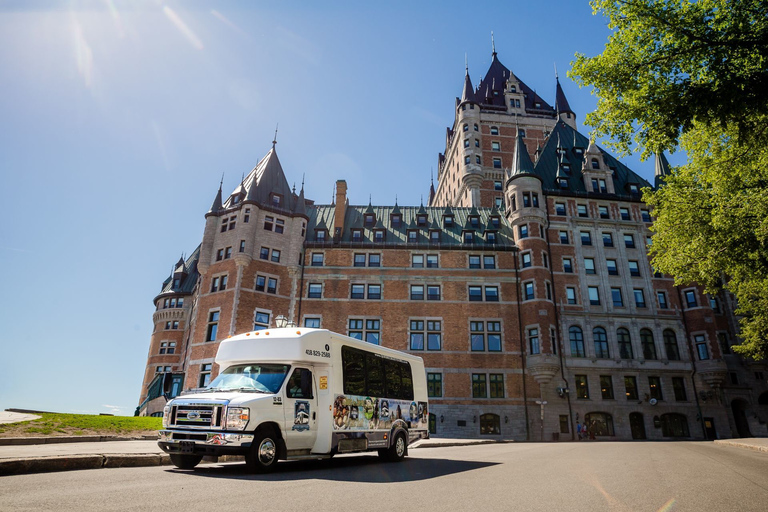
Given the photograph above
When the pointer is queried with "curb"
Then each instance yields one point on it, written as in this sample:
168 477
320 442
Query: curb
14 441
748 446
79 462
445 444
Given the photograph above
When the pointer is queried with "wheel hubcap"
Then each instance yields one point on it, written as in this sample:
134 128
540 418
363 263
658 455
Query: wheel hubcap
267 451
400 446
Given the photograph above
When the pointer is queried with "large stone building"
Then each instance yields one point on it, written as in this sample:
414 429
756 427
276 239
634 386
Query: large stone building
524 284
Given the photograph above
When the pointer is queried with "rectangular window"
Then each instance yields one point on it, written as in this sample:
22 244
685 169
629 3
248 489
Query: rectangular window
264 253
268 222
589 265
417 292
495 146
606 387
525 260
634 269
434 385
526 200
646 216
432 261
497 163
417 335
582 388
359 260
624 213
662 296
582 210
315 291
690 299
618 302
317 259
260 321
215 284
604 212
607 240
279 226
261 282
701 346
630 385
271 285
629 241
586 238
213 326
639 298
567 265
433 292
533 341
725 346
474 261
374 260
491 294
678 385
654 383
528 291
594 296
313 323
205 375
417 261
275 255
563 237
476 293
479 386
612 269
564 425
559 208
374 291
496 381
242 245
570 294
489 262
523 231
603 187
220 255
357 291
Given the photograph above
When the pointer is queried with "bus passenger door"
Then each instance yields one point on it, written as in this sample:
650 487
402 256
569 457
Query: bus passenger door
300 410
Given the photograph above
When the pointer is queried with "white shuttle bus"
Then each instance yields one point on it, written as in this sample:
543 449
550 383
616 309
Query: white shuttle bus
299 393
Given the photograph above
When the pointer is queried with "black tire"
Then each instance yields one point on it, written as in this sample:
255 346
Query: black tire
396 452
263 455
185 461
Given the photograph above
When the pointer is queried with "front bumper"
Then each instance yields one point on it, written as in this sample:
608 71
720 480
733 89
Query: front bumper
203 443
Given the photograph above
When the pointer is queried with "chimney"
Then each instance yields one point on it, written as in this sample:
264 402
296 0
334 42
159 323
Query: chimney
341 210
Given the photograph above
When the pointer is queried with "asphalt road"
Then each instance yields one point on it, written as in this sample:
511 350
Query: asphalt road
567 476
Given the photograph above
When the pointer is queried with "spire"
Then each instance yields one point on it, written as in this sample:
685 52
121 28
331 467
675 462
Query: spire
431 187
521 163
274 141
662 169
216 206
493 44
561 103
300 202
468 93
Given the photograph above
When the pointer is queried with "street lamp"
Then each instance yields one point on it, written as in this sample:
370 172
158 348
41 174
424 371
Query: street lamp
281 321
542 403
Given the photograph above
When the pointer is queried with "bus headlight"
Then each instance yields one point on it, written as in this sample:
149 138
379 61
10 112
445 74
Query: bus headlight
237 418
166 415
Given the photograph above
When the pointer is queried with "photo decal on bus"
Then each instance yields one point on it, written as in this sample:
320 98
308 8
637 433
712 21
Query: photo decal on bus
301 416
354 412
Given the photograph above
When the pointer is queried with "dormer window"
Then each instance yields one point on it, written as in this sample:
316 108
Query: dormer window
370 220
357 235
578 151
537 104
378 235
321 234
562 182
176 283
469 237
566 168
474 222
512 88
421 220
448 221
277 200
434 236
236 199
490 237
495 222
413 236
595 163
397 220
495 93
633 189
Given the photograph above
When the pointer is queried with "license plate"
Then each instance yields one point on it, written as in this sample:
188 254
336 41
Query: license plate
187 447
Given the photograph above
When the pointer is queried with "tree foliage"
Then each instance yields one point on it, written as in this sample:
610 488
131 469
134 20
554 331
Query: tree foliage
694 75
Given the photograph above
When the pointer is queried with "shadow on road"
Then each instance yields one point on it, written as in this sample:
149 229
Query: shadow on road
345 469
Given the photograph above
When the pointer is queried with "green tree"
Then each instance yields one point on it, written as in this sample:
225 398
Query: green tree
694 75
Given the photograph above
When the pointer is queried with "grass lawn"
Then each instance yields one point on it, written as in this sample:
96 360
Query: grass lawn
82 425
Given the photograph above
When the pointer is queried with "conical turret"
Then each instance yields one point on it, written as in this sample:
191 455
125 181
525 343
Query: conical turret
662 169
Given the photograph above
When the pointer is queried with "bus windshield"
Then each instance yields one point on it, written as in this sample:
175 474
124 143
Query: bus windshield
263 378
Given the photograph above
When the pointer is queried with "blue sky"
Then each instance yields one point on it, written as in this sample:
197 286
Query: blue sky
118 118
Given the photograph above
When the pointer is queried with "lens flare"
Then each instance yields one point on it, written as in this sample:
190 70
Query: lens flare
183 28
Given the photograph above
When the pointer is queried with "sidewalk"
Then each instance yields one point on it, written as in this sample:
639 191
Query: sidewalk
67 454
759 444
15 417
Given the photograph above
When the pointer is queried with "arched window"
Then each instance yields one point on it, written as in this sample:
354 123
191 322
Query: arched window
601 343
595 163
670 345
490 424
476 127
577 341
625 343
465 128
649 347
674 425
494 130
601 423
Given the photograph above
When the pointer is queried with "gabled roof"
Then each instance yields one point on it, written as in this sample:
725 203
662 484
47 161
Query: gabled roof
548 164
188 275
496 78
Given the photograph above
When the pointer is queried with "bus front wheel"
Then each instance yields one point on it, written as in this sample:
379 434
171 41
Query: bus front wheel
263 455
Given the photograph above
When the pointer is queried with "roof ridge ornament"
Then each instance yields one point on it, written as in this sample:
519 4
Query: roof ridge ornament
493 44
274 140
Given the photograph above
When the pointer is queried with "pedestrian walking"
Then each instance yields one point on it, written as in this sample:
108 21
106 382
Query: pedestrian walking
578 430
